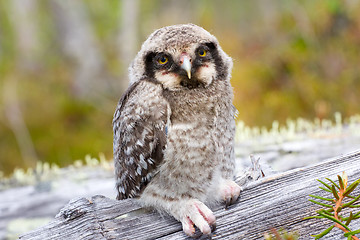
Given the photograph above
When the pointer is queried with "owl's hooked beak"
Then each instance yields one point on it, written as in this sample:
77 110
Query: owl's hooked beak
185 63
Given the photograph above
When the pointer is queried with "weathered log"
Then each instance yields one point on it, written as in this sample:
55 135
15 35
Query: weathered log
278 201
31 198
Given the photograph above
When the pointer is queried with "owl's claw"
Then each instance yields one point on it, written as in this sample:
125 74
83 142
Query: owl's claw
230 192
199 215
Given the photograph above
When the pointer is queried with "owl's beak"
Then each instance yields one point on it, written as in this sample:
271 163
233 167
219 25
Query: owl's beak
185 63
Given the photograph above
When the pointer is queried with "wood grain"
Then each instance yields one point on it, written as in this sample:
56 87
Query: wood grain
278 201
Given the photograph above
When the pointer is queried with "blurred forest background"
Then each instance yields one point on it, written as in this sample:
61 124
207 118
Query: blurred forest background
63 65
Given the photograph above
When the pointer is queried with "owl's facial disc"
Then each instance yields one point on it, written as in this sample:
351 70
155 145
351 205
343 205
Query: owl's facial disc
189 67
199 65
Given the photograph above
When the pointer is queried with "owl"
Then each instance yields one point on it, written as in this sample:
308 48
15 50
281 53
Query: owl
174 127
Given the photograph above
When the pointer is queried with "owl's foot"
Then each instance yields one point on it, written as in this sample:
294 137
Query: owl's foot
230 192
196 213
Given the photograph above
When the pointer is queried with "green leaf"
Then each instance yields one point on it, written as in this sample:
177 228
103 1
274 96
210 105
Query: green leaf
323 233
326 185
325 189
349 237
351 188
356 215
356 182
329 211
322 198
334 220
334 192
349 219
321 204
352 233
326 212
354 206
349 196
341 182
351 202
342 218
305 218
333 182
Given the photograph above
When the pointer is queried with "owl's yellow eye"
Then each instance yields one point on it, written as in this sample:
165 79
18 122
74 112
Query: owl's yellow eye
162 60
202 52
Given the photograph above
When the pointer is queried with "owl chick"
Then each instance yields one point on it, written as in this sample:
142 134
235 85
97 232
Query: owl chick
174 127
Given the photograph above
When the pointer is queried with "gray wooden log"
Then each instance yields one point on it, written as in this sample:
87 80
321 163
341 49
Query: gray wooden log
29 201
278 201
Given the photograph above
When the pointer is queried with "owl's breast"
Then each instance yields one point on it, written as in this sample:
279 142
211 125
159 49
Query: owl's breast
198 105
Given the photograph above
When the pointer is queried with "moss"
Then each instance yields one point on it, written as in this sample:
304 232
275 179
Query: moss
47 172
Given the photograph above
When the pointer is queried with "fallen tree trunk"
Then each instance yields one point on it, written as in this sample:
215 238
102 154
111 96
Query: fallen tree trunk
278 201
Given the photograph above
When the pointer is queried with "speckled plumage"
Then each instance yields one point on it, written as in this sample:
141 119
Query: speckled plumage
174 127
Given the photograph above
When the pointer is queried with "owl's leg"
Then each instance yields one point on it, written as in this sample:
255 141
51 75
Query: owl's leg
196 213
189 211
229 192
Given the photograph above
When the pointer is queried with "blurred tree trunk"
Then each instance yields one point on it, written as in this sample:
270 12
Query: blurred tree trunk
24 23
23 17
78 42
268 10
13 113
128 35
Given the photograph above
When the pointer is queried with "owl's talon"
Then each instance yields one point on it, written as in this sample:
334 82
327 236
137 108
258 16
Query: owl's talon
188 227
213 227
229 199
199 215
227 204
230 192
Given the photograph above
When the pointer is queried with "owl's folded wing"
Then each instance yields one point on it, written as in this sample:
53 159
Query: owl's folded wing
139 127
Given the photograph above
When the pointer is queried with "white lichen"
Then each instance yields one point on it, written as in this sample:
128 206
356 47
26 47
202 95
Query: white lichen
43 172
298 129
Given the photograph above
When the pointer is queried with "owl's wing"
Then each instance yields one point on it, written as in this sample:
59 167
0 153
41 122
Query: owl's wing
139 127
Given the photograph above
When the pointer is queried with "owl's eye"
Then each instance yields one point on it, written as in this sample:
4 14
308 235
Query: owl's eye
162 60
202 52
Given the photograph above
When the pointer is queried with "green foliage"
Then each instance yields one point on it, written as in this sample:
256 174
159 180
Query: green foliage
304 71
340 201
291 59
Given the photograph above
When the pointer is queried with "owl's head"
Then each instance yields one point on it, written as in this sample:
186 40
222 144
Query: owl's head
181 57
